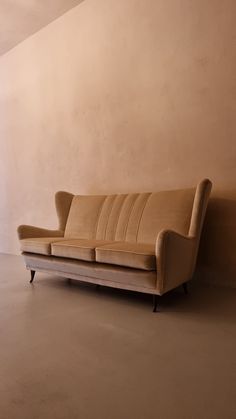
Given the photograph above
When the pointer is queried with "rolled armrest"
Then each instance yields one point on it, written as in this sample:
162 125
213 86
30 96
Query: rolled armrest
26 232
176 257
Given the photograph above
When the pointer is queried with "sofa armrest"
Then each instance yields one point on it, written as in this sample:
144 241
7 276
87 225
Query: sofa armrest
176 257
26 232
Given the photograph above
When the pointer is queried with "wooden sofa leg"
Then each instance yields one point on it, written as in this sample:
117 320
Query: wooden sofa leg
185 287
32 273
156 298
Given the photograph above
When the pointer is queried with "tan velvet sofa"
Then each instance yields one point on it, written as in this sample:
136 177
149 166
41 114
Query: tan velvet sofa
146 242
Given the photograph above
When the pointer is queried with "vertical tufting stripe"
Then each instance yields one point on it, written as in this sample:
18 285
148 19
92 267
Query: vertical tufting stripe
104 217
114 217
99 214
135 217
166 210
109 215
125 212
140 219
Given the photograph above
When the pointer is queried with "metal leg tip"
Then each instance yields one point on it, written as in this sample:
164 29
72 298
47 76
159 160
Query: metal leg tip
155 301
32 274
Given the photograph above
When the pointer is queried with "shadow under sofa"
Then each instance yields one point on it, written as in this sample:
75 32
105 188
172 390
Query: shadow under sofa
145 242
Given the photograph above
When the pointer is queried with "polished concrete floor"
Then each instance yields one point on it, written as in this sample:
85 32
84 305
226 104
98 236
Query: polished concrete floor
71 351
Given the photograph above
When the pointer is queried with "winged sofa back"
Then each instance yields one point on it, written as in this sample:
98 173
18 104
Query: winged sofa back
136 217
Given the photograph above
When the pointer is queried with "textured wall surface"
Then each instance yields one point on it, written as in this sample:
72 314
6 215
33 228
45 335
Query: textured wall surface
120 96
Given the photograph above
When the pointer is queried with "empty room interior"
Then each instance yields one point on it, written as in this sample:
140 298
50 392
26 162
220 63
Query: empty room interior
118 209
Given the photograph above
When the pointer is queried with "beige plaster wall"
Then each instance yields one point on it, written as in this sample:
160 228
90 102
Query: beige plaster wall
21 18
116 96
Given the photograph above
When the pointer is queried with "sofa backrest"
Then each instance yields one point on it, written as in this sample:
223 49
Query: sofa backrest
137 217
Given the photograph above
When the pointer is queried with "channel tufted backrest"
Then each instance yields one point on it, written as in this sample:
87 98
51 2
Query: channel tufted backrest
134 217
170 210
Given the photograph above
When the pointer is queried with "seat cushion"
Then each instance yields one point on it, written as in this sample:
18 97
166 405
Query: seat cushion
82 249
132 255
40 245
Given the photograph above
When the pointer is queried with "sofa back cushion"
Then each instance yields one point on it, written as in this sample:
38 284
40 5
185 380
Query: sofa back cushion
166 210
83 216
134 217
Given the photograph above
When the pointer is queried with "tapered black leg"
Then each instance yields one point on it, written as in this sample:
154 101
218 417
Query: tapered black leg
185 287
155 302
32 273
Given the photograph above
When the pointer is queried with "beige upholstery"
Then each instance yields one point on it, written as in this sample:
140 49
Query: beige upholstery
81 249
41 245
151 233
96 273
177 253
132 255
27 232
129 217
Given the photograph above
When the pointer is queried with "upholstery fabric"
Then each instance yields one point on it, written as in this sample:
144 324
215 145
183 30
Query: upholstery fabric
63 203
129 217
83 216
133 255
176 253
82 249
26 232
41 245
170 210
97 273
